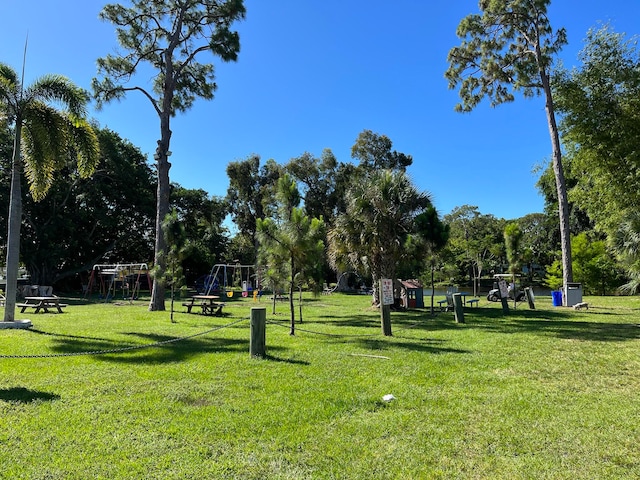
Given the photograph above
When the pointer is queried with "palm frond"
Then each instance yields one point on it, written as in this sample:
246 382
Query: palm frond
8 75
86 145
44 138
58 88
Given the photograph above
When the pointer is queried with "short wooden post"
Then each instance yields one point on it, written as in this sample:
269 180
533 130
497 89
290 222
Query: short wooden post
385 317
258 341
528 291
458 308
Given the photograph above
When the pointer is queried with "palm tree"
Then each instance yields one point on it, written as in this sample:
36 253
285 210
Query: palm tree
45 138
626 243
380 215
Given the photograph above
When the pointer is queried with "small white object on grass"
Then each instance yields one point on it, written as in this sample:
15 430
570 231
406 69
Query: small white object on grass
388 397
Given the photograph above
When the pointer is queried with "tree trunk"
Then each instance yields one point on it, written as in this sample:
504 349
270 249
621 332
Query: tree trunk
162 209
375 291
13 231
292 308
433 267
273 300
342 284
563 203
172 299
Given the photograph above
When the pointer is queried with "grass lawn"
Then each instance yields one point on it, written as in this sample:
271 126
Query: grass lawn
546 393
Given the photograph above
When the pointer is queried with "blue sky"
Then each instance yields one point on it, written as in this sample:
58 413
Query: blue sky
313 75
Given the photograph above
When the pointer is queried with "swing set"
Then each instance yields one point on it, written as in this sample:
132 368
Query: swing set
111 278
230 279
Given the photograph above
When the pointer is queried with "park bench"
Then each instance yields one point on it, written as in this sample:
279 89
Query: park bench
473 301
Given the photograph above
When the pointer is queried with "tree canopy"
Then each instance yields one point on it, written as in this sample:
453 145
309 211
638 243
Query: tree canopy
476 241
601 126
374 152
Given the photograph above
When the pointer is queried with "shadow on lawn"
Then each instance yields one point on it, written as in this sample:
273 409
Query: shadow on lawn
272 358
561 324
63 335
156 349
422 346
359 321
24 395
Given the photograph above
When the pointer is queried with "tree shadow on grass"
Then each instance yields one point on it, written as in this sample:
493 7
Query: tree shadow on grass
414 345
272 358
157 348
24 395
381 344
63 335
560 324
358 321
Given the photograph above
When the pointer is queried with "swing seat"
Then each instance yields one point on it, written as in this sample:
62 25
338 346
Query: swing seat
230 294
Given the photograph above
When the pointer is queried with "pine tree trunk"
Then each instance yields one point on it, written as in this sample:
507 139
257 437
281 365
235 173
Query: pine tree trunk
292 308
563 203
162 209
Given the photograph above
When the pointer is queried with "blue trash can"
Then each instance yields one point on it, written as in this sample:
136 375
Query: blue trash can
556 298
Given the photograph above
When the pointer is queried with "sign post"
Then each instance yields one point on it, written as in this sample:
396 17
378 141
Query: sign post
504 295
386 300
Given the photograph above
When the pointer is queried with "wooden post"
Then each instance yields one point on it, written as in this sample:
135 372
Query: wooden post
385 312
458 308
386 299
257 344
528 292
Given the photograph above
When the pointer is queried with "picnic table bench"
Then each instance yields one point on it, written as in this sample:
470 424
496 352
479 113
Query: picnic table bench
280 298
207 303
42 304
447 303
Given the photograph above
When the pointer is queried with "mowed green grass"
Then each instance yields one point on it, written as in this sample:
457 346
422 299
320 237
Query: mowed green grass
546 393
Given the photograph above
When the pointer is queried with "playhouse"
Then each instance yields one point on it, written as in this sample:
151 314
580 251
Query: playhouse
412 295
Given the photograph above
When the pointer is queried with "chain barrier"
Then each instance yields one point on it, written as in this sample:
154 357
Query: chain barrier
130 348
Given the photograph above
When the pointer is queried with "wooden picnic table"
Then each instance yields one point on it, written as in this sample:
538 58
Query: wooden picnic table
42 303
208 304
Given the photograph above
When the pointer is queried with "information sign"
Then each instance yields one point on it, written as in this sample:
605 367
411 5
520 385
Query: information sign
387 291
504 289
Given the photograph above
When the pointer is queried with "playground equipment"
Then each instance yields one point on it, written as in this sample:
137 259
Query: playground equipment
110 278
224 277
